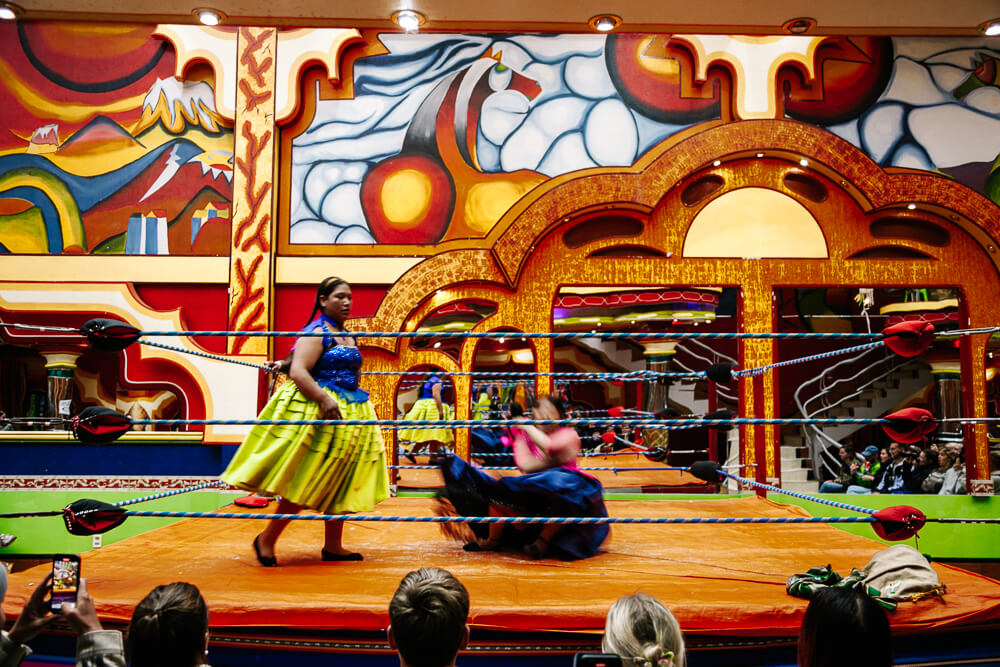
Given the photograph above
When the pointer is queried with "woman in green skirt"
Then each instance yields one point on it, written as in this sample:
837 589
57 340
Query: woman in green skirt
331 468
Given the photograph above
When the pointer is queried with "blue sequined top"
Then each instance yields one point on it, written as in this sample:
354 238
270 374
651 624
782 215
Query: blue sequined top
339 366
427 391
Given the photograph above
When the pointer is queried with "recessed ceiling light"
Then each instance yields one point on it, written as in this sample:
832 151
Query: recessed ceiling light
799 26
408 20
991 28
9 11
760 155
911 206
804 162
605 22
208 16
717 163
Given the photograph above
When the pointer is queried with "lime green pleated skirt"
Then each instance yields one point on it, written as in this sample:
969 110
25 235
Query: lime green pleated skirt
329 468
426 409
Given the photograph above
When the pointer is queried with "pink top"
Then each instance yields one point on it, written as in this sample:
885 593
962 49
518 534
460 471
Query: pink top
562 440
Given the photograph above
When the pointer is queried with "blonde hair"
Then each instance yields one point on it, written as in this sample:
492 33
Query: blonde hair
641 630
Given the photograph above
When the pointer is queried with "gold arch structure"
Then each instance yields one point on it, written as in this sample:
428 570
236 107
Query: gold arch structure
528 261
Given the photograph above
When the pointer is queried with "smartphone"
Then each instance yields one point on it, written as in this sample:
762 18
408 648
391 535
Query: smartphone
597 660
65 579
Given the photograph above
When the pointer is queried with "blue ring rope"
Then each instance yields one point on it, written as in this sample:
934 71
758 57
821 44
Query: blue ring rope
175 492
596 520
795 494
613 469
813 357
607 335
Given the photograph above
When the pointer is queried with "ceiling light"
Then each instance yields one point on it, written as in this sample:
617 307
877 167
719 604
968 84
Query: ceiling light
799 26
804 162
760 155
605 22
9 11
991 28
717 163
408 20
208 16
437 345
911 206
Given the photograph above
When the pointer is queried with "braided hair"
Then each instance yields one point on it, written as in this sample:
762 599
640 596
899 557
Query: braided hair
324 290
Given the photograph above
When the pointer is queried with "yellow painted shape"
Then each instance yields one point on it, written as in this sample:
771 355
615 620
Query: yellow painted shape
667 67
24 232
754 222
405 197
487 202
70 222
65 112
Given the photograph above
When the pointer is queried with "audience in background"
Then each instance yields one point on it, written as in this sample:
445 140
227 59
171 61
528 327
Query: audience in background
926 464
865 471
897 473
845 476
643 632
953 480
844 626
428 616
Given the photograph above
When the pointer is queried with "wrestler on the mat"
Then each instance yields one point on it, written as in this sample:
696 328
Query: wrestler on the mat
331 468
551 485
429 407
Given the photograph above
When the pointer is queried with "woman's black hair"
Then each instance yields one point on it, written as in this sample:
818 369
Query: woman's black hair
168 628
844 626
558 403
325 289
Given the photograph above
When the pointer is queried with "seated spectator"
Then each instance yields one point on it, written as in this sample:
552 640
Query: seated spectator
95 647
865 472
169 628
995 470
644 633
926 464
839 620
428 616
953 481
898 472
935 478
845 476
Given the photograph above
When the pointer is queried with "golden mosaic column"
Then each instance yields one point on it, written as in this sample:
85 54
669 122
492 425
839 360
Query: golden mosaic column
758 441
251 259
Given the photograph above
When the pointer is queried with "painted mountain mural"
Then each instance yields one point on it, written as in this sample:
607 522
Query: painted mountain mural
149 178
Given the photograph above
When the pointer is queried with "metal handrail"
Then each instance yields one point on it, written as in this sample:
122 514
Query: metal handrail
815 438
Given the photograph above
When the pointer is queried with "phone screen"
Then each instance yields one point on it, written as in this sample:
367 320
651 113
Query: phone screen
597 660
65 579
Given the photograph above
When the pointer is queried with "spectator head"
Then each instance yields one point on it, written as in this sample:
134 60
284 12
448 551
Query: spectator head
926 459
169 628
883 455
870 452
946 458
642 631
428 616
839 619
895 451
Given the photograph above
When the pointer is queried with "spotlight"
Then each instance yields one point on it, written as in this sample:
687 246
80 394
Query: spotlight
437 345
717 163
991 28
911 206
799 26
208 16
408 20
9 11
605 22
760 155
804 162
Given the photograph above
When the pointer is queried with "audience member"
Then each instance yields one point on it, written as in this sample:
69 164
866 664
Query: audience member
953 481
842 619
995 470
926 464
897 473
95 647
935 478
865 472
643 632
169 628
428 616
845 476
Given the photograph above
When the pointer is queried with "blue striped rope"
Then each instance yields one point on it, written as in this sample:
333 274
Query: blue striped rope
206 355
589 520
795 494
813 357
613 469
175 492
395 424
607 335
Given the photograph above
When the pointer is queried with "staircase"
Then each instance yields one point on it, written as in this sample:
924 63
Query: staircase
864 387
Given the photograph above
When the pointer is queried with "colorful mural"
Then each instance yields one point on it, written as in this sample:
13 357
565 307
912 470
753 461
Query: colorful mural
106 152
444 133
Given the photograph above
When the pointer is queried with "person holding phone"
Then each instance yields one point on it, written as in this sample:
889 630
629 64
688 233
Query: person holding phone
552 485
330 468
95 647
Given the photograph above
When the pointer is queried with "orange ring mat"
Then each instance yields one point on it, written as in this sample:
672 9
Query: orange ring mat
718 579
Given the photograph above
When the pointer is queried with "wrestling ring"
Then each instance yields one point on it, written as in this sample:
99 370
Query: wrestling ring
720 564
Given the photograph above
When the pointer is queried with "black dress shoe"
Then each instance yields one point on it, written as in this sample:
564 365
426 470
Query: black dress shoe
328 556
266 561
